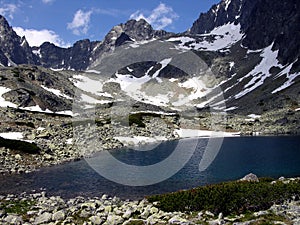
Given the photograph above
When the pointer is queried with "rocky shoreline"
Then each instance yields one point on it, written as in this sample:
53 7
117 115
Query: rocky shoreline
38 208
62 138
55 136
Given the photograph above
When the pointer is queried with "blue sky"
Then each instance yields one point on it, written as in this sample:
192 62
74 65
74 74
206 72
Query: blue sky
65 21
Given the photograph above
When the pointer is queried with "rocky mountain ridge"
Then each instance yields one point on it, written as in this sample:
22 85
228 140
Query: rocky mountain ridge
241 73
262 21
15 50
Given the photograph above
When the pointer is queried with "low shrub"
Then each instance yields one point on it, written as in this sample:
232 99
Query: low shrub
17 207
229 198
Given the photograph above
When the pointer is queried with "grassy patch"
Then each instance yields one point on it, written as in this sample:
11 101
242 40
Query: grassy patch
229 197
136 119
135 222
22 146
19 207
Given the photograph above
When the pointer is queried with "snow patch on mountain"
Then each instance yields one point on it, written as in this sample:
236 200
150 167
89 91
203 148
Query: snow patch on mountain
191 133
163 63
133 84
137 44
221 37
261 72
37 52
93 71
198 87
56 92
93 86
12 135
90 102
290 78
3 102
227 3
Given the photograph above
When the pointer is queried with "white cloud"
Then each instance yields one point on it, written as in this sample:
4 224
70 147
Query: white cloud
80 23
159 18
38 37
8 10
47 1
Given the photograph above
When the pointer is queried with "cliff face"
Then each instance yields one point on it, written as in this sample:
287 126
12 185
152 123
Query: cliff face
262 21
14 49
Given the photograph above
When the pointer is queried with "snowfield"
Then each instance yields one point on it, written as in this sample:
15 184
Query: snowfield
223 37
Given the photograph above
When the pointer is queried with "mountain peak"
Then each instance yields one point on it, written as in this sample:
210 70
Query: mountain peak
262 21
227 11
3 22
14 49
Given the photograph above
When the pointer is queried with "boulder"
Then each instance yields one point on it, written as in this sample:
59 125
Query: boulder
43 218
250 178
14 219
58 216
95 220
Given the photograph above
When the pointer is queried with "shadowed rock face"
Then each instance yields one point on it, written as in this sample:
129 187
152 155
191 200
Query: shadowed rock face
262 21
14 49
27 87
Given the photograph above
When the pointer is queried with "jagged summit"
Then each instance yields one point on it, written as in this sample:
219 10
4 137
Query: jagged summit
14 49
262 21
227 11
134 30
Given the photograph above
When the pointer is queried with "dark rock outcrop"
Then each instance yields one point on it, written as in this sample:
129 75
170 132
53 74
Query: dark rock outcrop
13 48
262 21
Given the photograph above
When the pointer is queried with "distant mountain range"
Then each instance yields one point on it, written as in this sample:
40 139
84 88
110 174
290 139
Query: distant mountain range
251 46
262 23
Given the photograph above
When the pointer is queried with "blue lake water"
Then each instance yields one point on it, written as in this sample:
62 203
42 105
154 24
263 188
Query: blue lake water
238 156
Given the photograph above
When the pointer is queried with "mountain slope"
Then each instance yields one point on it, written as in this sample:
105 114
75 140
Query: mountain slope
262 21
243 66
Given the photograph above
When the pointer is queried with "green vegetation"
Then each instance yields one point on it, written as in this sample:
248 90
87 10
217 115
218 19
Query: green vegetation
135 223
22 146
20 207
230 198
136 119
